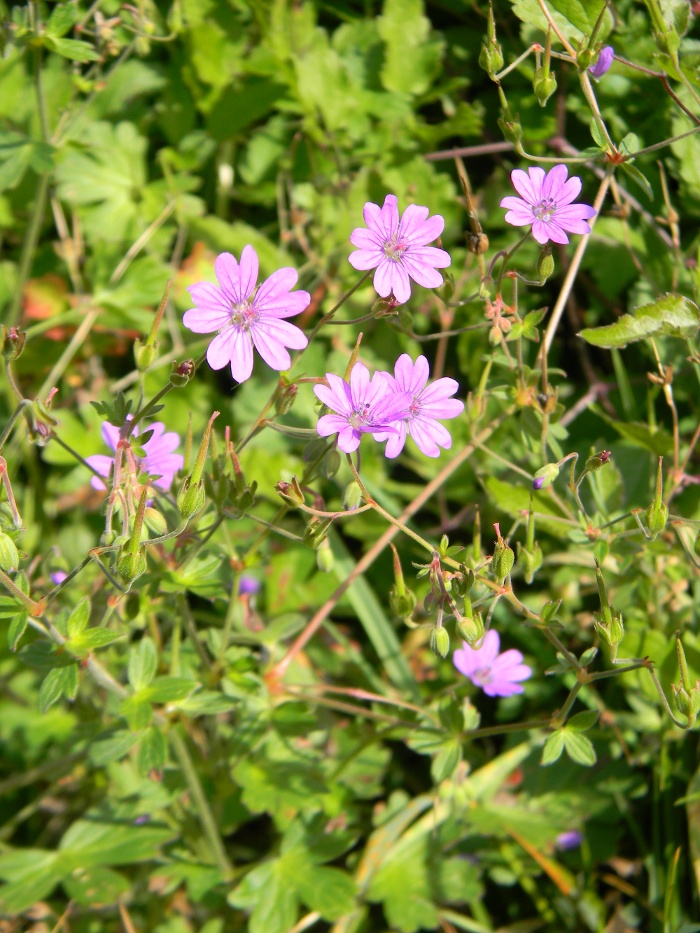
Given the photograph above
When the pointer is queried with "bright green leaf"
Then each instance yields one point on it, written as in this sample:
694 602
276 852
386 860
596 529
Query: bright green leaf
18 627
74 49
672 315
79 617
579 748
553 748
143 661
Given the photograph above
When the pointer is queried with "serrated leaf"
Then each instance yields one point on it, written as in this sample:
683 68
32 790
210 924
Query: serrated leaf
17 628
74 49
553 748
113 748
406 32
581 722
579 748
63 17
329 891
88 641
59 681
152 751
143 661
79 618
137 712
671 316
573 17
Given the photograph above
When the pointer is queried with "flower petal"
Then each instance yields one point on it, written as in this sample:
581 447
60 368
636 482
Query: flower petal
555 181
228 276
363 259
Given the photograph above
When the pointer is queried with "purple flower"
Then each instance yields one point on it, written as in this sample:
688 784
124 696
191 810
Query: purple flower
603 63
245 317
365 406
546 204
159 461
497 674
398 248
58 576
248 585
571 839
428 403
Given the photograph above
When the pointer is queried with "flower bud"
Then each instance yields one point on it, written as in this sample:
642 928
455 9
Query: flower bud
291 492
447 289
503 557
491 58
181 373
324 556
331 463
544 85
352 497
584 59
402 603
545 263
286 399
471 630
612 631
545 476
9 556
440 641
191 498
657 513
316 532
131 565
13 341
144 353
530 559
512 130
463 581
477 243
687 702
486 286
154 521
598 460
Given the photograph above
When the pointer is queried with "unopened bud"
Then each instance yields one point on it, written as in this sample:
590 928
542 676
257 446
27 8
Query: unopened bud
584 59
131 565
503 557
598 460
491 58
447 289
544 85
657 512
440 641
286 399
316 532
402 603
352 497
181 373
144 354
471 630
13 341
530 559
512 130
331 463
477 243
324 556
545 476
191 498
291 492
545 263
9 556
463 581
687 702
154 521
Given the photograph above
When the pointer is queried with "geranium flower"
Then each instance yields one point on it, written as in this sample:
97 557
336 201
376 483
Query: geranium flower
245 317
160 461
364 406
546 204
428 403
605 60
398 248
498 675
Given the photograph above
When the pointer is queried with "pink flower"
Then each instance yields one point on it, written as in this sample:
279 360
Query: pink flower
397 248
159 461
245 317
603 62
497 674
364 406
546 204
428 403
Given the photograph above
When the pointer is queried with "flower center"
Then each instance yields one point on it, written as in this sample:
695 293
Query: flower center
243 314
394 248
482 676
360 416
414 407
545 209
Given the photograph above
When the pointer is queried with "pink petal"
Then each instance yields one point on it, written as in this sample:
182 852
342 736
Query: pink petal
569 191
421 272
275 298
440 389
396 441
103 464
400 283
383 277
528 185
220 350
372 214
422 434
248 272
110 434
365 239
390 215
517 204
359 385
228 276
330 424
519 218
429 256
241 356
209 297
348 439
555 181
446 408
364 259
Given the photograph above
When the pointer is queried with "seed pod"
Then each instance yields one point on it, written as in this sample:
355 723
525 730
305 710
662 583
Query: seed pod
440 641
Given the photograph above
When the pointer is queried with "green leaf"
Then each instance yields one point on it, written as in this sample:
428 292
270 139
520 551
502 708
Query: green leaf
143 661
446 760
74 49
59 681
18 627
329 891
273 899
96 886
207 703
88 641
638 178
152 751
15 156
113 748
581 722
78 618
240 105
574 18
579 748
137 712
169 689
672 316
597 134
406 32
88 843
553 748
32 875
63 17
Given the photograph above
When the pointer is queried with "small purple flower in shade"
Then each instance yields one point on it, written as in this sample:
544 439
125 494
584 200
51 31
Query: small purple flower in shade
364 406
538 482
397 247
248 585
428 404
58 576
603 63
245 317
545 203
571 839
498 675
160 461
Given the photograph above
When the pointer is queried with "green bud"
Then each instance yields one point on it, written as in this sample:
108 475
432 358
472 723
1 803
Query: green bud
464 581
486 287
491 58
512 130
191 498
544 85
597 461
447 290
687 702
154 521
584 59
402 603
131 565
181 373
503 558
291 492
246 498
285 399
316 532
352 497
219 489
144 354
656 517
10 520
530 560
324 556
331 463
611 630
9 555
13 341
471 630
108 538
440 641
545 263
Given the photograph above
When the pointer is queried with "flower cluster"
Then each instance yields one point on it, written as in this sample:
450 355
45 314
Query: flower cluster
389 407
